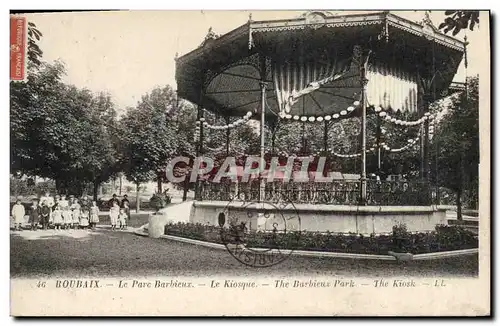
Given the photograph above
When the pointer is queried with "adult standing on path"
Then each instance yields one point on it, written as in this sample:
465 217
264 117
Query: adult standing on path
85 203
48 199
125 200
45 215
126 206
113 200
49 202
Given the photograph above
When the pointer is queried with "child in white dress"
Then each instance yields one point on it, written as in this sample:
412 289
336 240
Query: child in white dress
65 212
113 215
94 215
75 209
67 217
57 217
123 219
18 213
84 218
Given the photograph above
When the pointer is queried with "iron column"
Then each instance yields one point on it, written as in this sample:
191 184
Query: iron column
262 138
364 81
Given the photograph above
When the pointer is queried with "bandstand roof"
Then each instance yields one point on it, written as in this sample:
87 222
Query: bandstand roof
310 64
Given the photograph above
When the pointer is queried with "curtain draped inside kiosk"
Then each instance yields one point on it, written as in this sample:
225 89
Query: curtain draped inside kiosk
332 84
390 87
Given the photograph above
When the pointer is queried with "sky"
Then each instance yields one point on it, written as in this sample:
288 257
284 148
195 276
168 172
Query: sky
129 53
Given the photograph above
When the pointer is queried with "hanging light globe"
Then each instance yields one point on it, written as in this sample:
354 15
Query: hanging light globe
288 116
356 103
296 117
335 116
328 117
343 112
312 119
351 108
303 118
319 119
378 109
382 114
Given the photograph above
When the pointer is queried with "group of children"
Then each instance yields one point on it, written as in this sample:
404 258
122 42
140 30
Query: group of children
67 214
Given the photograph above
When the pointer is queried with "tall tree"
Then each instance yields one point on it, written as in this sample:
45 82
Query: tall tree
149 137
458 152
58 132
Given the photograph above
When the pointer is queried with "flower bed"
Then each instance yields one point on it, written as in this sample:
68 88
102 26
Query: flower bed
444 238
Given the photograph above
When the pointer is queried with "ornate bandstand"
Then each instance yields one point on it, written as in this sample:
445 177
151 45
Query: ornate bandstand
321 68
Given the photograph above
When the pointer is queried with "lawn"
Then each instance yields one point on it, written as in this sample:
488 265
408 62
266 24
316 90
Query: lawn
104 253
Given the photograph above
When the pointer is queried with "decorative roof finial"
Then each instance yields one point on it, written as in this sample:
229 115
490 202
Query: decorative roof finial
250 17
210 36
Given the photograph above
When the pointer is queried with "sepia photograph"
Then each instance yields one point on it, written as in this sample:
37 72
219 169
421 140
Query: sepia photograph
270 154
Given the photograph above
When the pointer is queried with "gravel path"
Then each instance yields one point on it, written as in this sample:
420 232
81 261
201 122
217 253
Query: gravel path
106 253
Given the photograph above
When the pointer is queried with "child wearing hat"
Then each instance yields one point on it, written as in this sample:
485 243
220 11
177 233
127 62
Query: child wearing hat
35 213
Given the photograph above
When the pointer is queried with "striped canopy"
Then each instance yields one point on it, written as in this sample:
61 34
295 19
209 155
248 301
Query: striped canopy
331 86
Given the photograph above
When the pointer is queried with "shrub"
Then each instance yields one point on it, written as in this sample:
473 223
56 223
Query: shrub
159 201
401 238
454 237
443 239
24 188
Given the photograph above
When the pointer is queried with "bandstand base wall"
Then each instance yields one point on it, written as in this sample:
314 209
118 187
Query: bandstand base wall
321 218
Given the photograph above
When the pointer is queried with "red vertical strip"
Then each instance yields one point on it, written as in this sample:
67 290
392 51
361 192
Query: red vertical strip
17 48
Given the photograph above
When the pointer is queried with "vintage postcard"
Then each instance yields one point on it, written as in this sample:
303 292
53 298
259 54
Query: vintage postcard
237 163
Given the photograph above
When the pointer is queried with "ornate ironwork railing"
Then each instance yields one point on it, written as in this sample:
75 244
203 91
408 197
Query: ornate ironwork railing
337 192
398 193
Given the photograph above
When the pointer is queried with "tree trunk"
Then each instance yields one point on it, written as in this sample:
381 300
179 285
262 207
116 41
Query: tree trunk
459 204
137 198
120 192
59 186
96 189
185 189
159 182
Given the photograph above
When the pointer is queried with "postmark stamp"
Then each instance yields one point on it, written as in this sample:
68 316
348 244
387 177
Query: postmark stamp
18 48
260 234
